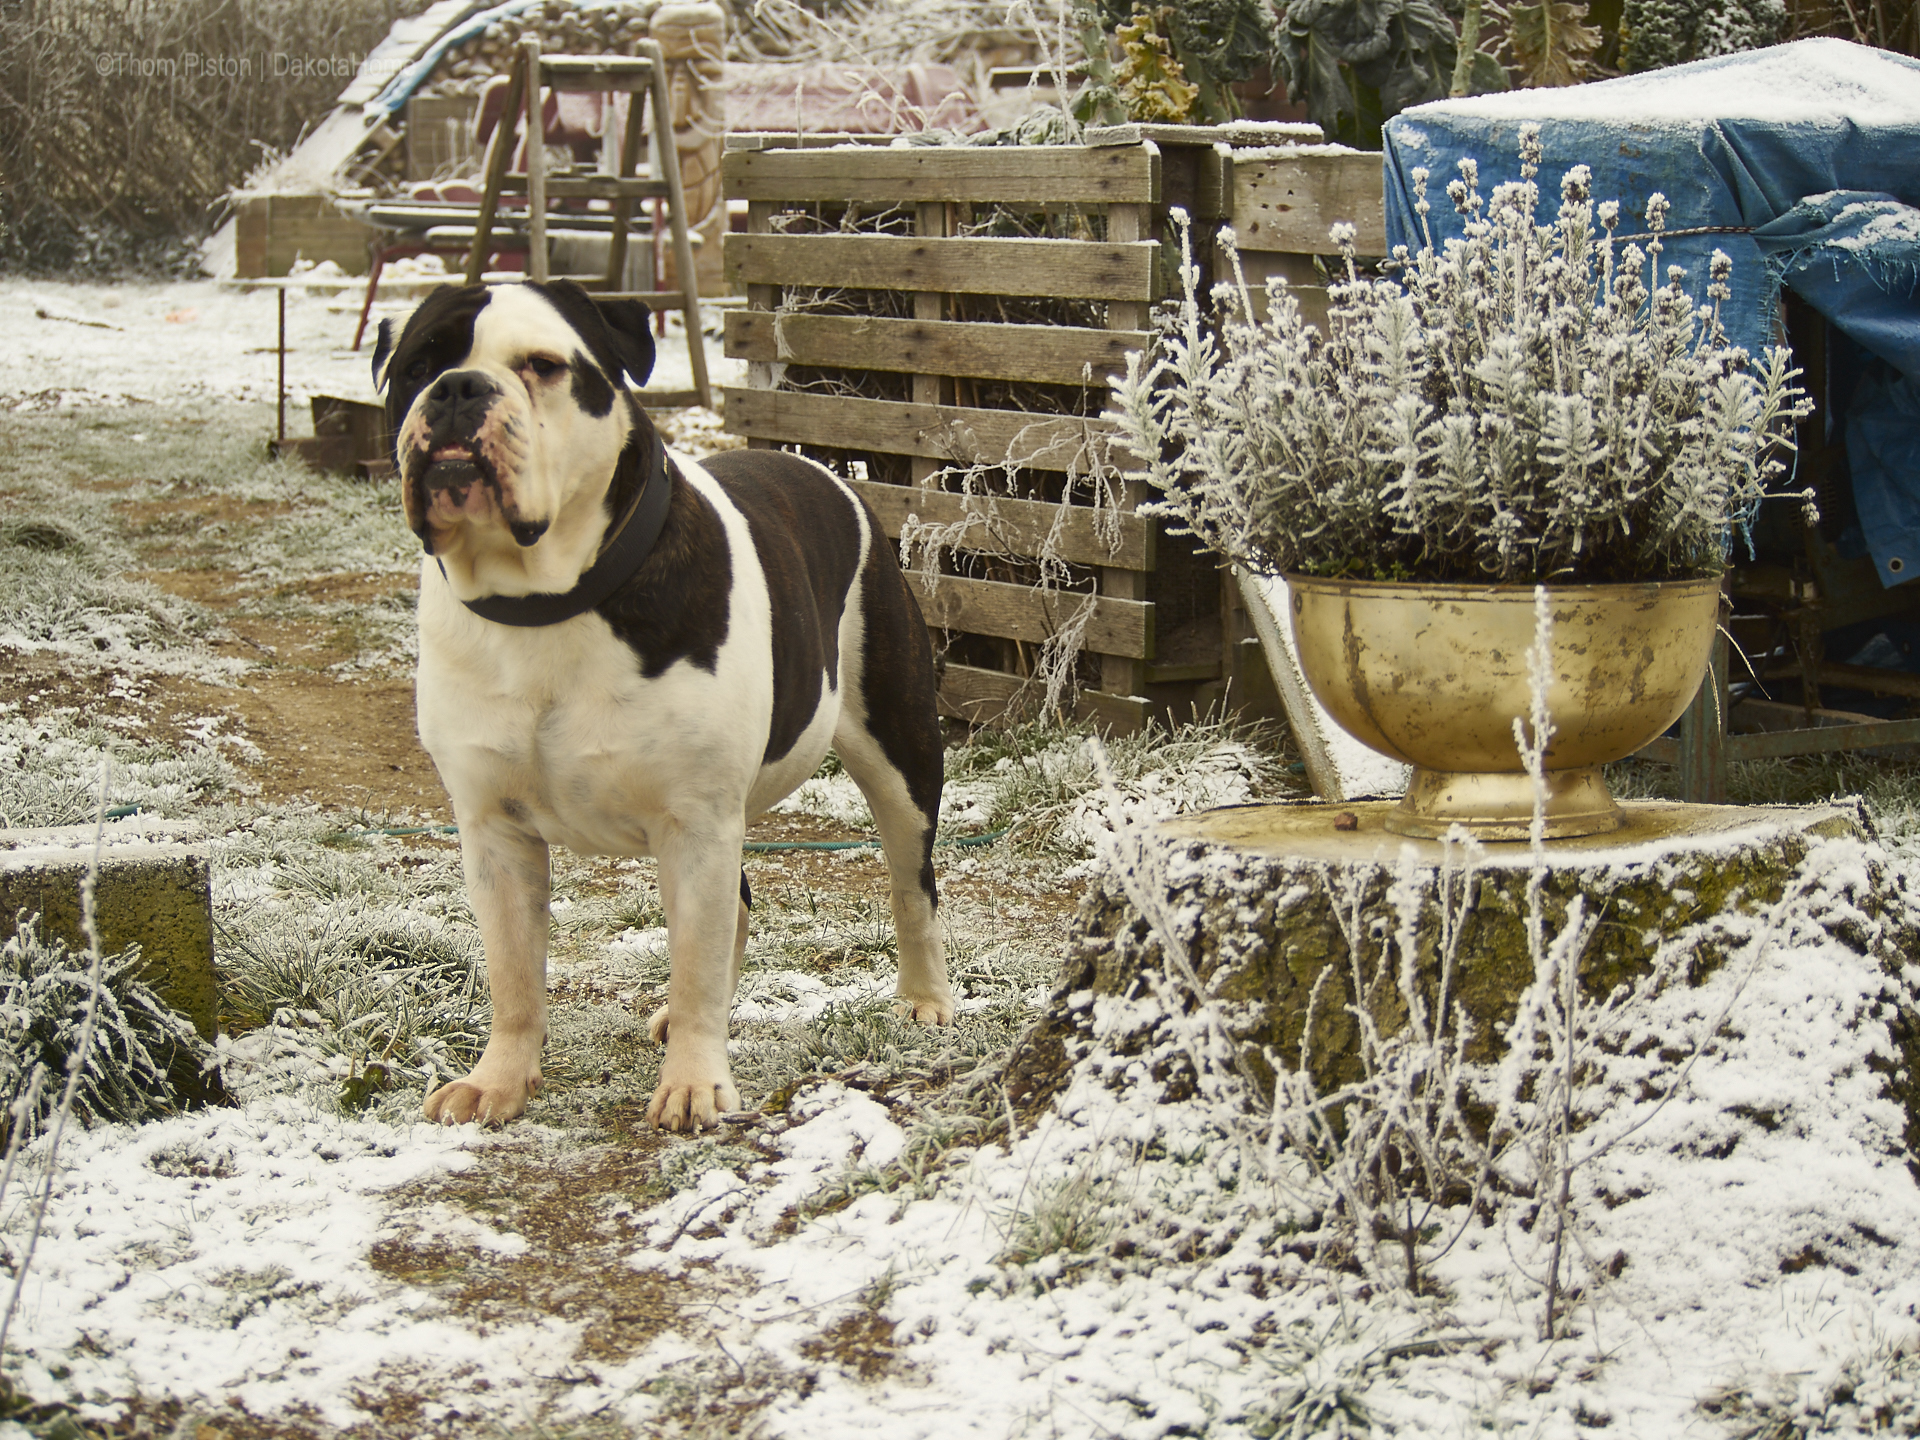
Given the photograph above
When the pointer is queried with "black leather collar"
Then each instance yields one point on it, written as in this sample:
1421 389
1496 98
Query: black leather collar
621 553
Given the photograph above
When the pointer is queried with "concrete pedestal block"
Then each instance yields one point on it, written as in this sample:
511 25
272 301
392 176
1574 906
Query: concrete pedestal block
153 891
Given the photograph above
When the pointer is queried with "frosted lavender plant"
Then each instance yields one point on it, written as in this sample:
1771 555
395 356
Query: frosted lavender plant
1526 403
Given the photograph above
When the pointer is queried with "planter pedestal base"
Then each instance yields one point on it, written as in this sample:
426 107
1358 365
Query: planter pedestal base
1499 806
1257 894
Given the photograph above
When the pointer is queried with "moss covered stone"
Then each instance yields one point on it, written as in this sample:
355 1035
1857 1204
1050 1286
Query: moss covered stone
153 891
1265 898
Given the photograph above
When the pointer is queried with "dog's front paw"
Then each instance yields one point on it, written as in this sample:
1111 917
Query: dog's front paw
658 1025
476 1098
692 1103
928 1009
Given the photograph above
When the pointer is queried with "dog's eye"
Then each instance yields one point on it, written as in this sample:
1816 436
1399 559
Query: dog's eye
418 371
543 367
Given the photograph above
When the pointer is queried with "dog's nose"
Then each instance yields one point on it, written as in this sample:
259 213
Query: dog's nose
459 399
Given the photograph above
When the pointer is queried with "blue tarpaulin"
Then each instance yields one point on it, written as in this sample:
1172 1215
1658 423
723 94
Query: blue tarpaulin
1801 161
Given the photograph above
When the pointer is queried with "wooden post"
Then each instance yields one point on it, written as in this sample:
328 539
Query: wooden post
499 158
1120 674
282 391
760 373
626 165
669 153
536 165
1703 734
930 219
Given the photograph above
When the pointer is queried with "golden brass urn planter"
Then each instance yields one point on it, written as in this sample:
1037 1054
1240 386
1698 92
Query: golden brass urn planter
1435 675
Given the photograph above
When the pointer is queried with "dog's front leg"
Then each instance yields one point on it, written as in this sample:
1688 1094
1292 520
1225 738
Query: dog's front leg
700 891
507 883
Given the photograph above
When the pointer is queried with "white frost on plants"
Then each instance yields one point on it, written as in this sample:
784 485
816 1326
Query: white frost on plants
1117 1270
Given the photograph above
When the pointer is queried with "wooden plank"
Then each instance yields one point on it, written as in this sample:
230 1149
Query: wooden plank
1069 269
1824 739
1044 354
1234 132
1820 740
1036 175
1021 612
986 697
790 140
596 73
1021 527
1288 202
953 434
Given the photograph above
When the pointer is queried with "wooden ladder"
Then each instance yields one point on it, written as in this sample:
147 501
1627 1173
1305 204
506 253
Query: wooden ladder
643 77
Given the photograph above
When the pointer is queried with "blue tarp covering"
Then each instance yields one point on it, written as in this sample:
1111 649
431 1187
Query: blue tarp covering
1803 163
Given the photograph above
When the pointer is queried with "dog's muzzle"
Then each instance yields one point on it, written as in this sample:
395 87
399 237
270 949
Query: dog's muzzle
455 412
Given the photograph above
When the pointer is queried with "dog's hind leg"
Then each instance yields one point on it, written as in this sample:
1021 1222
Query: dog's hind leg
889 741
906 834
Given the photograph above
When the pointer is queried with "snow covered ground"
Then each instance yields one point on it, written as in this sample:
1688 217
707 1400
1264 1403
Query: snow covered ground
1121 1269
131 343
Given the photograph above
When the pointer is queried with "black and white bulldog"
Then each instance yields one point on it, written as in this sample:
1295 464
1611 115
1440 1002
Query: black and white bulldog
629 653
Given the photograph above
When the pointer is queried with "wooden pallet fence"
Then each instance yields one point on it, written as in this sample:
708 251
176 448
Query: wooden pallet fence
909 234
907 451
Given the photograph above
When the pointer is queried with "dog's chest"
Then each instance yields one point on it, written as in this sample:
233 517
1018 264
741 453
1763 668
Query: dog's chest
559 731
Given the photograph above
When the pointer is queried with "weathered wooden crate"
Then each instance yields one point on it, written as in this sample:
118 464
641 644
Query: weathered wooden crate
907 325
273 231
440 136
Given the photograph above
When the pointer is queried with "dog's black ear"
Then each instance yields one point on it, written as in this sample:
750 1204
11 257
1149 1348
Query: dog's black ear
630 326
382 353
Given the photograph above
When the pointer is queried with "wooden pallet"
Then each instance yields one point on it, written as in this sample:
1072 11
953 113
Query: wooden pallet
906 452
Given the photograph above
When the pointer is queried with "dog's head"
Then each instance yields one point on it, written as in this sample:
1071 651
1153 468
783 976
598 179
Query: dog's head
511 410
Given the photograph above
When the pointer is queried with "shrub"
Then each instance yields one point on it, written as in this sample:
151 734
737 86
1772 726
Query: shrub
1526 404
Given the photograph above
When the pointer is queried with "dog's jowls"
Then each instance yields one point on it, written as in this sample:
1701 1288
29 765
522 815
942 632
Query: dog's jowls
767 622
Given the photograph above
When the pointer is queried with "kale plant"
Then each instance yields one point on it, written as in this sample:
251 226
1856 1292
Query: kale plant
1525 404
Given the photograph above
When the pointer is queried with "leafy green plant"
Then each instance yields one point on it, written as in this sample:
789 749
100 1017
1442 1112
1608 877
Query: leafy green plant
1357 63
1179 62
1657 33
1528 403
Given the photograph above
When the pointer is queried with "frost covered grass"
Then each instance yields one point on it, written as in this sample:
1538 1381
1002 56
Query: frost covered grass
50 764
1041 784
121 1073
189 491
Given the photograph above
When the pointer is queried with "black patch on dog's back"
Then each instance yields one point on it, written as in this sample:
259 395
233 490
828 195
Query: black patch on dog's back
675 606
807 535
